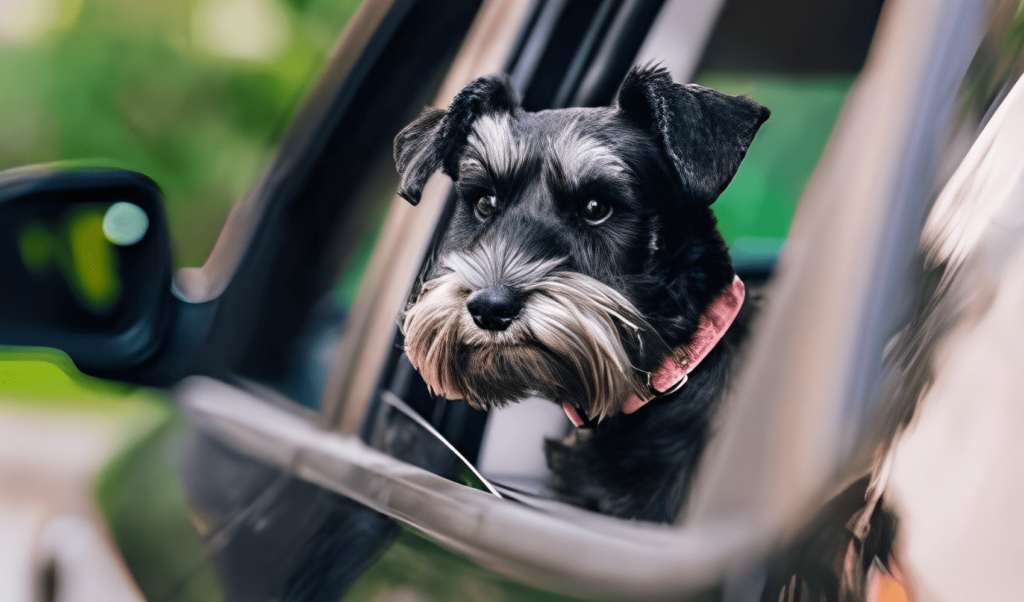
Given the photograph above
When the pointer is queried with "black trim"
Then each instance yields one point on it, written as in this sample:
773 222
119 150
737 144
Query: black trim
792 37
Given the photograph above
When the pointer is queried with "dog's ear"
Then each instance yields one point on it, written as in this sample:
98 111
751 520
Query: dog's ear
488 95
416 155
437 138
703 133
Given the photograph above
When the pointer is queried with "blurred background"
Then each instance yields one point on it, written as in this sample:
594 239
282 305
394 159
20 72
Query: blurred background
195 94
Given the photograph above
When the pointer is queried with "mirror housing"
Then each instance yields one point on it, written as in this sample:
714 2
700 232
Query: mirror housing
85 266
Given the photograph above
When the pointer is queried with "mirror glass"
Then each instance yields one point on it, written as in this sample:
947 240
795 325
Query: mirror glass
84 265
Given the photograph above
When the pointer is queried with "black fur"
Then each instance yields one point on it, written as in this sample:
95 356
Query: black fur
678 147
704 133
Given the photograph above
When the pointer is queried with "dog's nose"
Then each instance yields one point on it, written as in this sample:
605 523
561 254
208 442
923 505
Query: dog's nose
494 308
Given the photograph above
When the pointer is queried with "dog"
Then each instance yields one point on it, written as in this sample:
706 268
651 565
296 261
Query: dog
582 263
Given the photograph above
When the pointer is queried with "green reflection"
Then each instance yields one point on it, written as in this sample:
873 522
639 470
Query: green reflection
95 265
761 200
35 243
80 250
36 373
416 568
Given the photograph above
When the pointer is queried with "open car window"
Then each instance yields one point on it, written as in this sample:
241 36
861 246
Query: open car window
574 54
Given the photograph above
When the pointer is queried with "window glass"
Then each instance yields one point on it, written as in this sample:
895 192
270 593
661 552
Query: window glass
756 210
799 59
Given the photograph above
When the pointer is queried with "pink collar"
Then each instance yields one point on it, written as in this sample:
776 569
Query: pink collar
673 372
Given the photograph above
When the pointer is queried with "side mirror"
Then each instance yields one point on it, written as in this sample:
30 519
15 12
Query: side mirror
85 266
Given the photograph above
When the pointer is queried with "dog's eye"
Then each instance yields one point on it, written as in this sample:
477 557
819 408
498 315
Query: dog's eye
596 212
486 206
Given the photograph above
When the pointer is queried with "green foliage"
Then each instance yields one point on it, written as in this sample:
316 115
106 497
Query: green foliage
131 84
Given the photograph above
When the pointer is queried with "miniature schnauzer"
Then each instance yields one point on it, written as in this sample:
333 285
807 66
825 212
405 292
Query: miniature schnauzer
582 264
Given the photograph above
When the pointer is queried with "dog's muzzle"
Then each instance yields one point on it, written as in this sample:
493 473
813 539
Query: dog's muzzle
496 326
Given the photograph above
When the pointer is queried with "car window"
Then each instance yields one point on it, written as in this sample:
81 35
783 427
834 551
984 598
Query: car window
755 211
798 58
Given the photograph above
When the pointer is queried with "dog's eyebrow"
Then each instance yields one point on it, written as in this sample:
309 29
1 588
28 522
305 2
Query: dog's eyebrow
493 148
472 170
576 157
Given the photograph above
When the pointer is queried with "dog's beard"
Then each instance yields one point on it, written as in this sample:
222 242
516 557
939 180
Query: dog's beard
576 340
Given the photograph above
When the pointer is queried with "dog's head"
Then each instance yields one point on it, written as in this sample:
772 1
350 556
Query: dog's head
582 250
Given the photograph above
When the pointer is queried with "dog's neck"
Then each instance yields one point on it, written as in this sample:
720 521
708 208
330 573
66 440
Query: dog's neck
674 371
